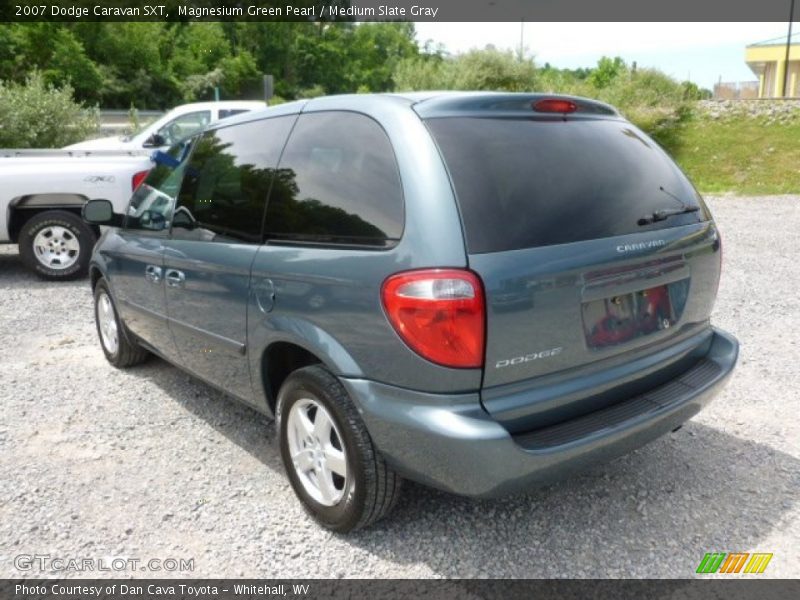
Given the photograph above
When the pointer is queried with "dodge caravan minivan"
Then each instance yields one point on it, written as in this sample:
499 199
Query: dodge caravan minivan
476 291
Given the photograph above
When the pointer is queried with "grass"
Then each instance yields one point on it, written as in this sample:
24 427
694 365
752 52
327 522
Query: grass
742 155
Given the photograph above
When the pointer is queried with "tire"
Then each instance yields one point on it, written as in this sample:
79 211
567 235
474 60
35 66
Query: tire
370 488
124 351
56 245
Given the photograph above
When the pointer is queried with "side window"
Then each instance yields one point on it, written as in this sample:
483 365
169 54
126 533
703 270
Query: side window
227 182
337 183
184 126
151 205
224 113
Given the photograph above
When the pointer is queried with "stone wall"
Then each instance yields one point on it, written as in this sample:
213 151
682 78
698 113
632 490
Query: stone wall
770 110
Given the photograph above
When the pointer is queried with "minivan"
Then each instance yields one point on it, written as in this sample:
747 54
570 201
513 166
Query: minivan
480 292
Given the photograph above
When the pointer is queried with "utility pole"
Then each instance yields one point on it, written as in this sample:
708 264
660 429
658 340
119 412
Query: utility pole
522 37
788 48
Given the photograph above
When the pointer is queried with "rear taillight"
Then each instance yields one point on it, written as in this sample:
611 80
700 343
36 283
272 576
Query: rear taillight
137 179
439 313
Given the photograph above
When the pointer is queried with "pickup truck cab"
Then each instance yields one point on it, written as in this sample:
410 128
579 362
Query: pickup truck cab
180 122
41 197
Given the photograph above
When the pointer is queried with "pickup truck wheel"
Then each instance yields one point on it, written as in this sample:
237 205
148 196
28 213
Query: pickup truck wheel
118 344
335 470
56 245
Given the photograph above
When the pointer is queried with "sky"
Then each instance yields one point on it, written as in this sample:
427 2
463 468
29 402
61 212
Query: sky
700 52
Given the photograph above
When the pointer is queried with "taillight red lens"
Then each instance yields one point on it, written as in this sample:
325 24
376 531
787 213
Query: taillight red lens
555 105
137 179
439 313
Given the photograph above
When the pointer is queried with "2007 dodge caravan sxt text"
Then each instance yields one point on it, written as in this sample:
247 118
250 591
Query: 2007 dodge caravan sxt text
475 291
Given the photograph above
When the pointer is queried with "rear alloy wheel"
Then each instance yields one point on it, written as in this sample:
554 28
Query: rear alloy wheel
335 470
56 245
318 457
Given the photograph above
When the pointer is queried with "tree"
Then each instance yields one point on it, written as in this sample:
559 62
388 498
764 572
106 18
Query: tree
606 71
55 53
273 47
132 60
376 51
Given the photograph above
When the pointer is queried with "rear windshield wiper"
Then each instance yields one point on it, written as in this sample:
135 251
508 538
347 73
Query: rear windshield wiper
664 213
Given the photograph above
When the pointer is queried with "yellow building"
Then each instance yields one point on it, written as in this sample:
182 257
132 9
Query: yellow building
768 60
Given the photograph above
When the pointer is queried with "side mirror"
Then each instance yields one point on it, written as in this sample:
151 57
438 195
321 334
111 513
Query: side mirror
183 218
154 220
155 141
100 212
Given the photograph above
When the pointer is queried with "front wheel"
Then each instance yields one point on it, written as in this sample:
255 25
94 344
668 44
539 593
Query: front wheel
335 470
118 345
56 245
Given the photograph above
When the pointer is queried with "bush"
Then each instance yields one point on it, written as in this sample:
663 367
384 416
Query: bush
488 69
492 69
424 73
37 115
312 92
651 100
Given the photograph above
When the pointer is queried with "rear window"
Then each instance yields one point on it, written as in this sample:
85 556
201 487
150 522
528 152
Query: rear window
522 183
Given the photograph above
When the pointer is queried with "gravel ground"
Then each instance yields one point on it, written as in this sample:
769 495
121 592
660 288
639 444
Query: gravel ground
149 463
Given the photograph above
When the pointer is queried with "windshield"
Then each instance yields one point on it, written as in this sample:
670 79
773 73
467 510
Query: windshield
523 182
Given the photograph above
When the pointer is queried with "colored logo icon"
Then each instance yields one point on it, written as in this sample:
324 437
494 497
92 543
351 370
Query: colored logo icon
734 562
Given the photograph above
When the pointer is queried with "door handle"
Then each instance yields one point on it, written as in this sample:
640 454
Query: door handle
152 273
175 278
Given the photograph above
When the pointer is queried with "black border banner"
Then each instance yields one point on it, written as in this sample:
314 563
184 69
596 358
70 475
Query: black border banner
404 10
431 589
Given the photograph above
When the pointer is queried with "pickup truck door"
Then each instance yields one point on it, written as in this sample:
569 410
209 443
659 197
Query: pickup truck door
216 233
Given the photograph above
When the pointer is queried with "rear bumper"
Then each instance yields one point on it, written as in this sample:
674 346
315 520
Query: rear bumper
450 442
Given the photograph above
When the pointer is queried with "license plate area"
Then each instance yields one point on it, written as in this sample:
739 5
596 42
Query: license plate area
620 318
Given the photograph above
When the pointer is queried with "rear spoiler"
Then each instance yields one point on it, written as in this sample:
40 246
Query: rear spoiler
508 105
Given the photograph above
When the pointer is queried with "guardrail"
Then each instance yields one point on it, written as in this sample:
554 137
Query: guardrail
56 152
120 112
118 121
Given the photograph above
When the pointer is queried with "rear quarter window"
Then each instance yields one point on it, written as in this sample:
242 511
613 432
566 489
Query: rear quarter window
337 183
522 183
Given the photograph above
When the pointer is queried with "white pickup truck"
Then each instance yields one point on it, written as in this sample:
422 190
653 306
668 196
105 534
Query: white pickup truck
179 123
41 196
